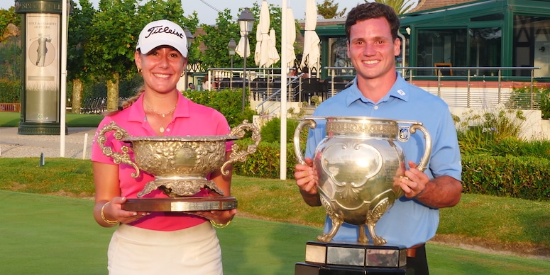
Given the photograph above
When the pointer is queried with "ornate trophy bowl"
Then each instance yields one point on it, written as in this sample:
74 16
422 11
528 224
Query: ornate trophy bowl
180 166
359 165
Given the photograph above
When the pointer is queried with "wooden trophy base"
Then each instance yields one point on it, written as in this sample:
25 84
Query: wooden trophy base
180 204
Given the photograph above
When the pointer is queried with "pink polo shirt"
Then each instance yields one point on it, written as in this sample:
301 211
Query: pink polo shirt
189 119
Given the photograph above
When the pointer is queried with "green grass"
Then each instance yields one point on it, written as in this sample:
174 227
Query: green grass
8 119
504 221
267 237
44 234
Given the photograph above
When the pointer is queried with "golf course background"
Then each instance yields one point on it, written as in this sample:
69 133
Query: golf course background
47 225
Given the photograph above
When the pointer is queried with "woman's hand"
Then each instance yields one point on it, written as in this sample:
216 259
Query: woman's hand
220 217
112 211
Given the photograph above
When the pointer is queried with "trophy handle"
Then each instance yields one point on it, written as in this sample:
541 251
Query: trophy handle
108 151
426 157
237 155
312 124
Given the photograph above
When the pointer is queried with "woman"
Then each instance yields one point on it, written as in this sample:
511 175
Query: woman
158 242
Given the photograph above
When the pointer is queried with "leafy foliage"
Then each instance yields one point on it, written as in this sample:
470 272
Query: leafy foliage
264 163
271 131
9 91
328 9
79 28
481 129
217 37
9 16
400 6
509 176
227 102
523 98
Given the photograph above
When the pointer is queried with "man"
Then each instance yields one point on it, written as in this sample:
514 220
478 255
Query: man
379 91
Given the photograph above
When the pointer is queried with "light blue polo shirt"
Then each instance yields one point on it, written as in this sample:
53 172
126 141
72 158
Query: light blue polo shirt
408 222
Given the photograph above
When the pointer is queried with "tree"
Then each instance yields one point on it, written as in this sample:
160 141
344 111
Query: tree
80 21
328 9
216 38
9 16
400 6
109 52
110 48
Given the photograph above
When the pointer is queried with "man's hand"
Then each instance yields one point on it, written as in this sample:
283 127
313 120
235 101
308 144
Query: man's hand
307 180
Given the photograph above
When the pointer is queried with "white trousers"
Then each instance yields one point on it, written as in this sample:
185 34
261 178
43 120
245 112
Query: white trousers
190 251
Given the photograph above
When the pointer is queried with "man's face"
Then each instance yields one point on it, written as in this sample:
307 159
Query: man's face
372 49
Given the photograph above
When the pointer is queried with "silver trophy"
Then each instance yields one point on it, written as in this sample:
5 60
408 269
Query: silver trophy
359 165
180 166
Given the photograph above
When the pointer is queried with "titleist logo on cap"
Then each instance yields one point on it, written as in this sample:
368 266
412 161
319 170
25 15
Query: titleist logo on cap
162 29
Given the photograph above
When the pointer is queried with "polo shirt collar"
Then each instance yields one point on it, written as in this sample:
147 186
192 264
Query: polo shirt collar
399 90
137 113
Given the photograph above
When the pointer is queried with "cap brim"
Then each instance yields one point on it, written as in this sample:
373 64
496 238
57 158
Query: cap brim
149 47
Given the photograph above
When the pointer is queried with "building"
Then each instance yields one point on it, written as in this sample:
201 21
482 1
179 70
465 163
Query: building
473 54
461 33
488 33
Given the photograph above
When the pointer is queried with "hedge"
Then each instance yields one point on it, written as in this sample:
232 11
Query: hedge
516 177
10 91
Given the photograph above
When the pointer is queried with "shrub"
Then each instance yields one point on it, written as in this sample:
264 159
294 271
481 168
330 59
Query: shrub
510 176
523 98
227 102
10 91
271 131
519 148
481 130
264 163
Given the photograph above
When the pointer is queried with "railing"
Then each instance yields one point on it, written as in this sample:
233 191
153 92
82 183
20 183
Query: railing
235 77
462 88
277 95
455 96
96 105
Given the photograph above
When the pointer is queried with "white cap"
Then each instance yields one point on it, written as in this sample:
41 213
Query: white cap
162 32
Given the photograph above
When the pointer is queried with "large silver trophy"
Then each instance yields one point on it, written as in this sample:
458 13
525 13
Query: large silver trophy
180 165
359 164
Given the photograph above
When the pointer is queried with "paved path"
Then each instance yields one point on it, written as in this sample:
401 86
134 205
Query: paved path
13 145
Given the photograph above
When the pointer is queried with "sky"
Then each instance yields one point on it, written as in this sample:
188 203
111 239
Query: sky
208 12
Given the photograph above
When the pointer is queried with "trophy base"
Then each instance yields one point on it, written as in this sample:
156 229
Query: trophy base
181 204
352 258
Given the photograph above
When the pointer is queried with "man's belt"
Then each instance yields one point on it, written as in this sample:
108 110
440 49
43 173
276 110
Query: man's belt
411 251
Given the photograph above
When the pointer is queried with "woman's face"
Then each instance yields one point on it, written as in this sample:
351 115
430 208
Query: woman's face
161 68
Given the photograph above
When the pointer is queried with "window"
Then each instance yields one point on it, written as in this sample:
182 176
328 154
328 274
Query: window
531 45
485 50
441 46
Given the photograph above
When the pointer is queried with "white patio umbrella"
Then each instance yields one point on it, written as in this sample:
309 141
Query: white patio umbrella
290 37
311 52
273 54
266 53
